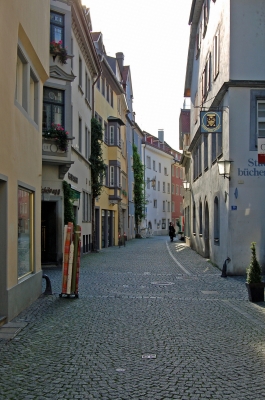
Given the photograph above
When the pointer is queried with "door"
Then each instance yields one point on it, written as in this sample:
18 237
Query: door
48 232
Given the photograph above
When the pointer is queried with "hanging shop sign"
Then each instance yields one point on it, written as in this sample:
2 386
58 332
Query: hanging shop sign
211 121
261 150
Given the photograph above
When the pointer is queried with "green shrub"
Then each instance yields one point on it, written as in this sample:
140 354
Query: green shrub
254 269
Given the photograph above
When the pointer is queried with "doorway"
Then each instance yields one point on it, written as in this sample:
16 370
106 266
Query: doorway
48 232
206 232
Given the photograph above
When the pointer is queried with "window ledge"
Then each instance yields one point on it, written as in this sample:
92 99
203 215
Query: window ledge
194 234
200 234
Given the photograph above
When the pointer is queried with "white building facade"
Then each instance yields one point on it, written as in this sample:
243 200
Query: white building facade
158 161
225 74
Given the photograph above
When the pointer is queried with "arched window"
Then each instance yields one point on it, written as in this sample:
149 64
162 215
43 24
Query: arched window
194 219
200 218
216 221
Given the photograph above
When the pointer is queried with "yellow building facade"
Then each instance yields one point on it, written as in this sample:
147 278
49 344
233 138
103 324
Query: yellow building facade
111 208
24 29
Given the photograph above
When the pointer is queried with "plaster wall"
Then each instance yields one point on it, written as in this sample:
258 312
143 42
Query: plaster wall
26 24
247 51
219 21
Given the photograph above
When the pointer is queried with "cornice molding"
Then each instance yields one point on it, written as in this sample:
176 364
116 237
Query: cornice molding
57 73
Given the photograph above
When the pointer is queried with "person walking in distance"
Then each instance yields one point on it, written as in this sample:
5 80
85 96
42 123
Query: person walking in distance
171 231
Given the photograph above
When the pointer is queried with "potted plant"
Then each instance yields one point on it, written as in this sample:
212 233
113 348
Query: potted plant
59 134
56 49
254 283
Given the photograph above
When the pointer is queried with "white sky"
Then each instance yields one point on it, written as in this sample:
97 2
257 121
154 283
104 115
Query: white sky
154 37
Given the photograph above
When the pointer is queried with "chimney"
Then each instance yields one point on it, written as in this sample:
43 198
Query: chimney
161 135
120 59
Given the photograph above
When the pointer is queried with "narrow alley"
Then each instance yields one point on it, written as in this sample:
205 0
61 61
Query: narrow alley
153 320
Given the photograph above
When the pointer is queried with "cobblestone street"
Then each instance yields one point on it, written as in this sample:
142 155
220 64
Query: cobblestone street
154 320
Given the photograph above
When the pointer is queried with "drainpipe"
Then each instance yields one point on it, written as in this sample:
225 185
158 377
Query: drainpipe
93 86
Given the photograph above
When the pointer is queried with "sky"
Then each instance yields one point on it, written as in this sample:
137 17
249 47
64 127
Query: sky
154 37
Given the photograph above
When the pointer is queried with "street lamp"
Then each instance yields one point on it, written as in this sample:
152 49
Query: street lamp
224 168
186 185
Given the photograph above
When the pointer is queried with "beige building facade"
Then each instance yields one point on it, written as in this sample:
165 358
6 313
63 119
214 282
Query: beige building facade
25 68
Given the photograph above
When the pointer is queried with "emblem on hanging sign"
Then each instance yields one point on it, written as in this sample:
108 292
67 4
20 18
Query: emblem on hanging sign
261 150
211 122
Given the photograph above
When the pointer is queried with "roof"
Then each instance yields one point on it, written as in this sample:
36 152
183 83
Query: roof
95 36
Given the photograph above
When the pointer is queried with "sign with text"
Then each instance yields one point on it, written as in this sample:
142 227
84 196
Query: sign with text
211 121
261 150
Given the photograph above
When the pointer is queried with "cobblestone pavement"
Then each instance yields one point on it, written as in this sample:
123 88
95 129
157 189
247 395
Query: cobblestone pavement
154 320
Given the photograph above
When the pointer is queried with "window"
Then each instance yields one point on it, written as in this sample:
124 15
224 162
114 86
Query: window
33 97
177 189
216 145
200 218
107 90
111 175
194 219
21 80
111 98
154 165
103 87
216 220
168 206
257 117
80 72
155 203
87 143
80 134
53 107
216 55
206 78
105 132
88 88
173 188
177 172
148 183
25 232
158 186
154 184
165 171
173 170
168 187
27 88
85 207
164 205
111 135
148 162
181 173
159 167
56 27
173 206
205 16
205 140
261 118
163 223
164 187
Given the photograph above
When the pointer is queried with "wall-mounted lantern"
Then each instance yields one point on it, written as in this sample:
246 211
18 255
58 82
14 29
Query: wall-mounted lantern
224 167
186 185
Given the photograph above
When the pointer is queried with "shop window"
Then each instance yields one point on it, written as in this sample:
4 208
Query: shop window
25 232
216 221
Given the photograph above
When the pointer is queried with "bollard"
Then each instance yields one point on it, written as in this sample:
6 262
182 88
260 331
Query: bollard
48 289
224 275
